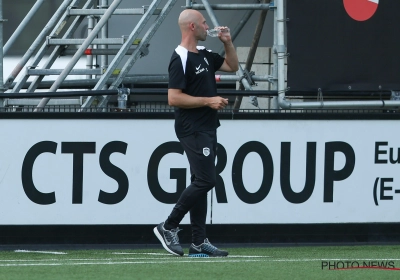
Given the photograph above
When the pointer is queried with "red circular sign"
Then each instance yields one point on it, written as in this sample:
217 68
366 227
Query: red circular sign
361 10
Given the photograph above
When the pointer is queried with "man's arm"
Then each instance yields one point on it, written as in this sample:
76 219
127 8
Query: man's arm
231 63
179 99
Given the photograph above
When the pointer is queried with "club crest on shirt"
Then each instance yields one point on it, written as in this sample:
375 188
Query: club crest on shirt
206 151
205 59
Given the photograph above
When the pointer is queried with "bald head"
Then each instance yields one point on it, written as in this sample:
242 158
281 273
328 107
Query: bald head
193 27
187 17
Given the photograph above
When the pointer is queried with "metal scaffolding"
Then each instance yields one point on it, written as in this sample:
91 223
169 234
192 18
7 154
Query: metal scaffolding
96 44
57 39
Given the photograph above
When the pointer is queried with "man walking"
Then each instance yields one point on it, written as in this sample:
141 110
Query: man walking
192 91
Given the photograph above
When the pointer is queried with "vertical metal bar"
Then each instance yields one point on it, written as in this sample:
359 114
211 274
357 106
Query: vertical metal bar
281 52
36 43
89 58
80 51
21 26
1 46
274 101
104 35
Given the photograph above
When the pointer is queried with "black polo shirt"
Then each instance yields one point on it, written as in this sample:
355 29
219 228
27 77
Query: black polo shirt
194 74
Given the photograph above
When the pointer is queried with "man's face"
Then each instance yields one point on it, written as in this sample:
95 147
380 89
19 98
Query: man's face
201 28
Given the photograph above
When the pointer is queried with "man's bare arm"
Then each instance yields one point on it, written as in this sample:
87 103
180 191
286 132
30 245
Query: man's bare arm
231 63
179 99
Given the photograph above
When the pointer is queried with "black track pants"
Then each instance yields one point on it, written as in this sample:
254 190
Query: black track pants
200 148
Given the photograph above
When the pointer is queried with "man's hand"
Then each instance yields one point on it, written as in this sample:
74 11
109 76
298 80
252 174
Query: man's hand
217 102
224 35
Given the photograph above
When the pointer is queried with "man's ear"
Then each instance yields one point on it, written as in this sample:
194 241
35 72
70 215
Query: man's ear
192 26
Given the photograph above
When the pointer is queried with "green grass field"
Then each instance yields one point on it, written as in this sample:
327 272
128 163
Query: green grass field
300 262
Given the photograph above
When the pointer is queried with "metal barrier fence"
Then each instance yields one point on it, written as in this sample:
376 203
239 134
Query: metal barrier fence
163 108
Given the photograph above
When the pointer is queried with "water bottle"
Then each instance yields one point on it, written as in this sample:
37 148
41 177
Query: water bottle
215 31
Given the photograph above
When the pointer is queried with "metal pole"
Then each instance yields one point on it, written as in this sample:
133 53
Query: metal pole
136 79
95 52
37 42
231 6
89 58
256 78
1 46
21 26
80 51
280 50
104 35
274 101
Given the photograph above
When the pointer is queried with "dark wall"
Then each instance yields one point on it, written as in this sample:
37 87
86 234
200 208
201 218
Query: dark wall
331 50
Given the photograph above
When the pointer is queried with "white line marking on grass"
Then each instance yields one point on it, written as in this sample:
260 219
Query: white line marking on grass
40 252
155 254
160 261
165 254
190 259
213 260
91 259
240 256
